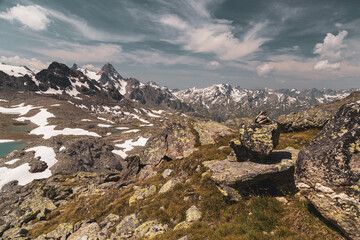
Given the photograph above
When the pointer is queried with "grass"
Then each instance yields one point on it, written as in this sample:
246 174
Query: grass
254 217
296 140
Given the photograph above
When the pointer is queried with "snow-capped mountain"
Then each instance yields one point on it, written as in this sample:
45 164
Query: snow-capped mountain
16 71
222 101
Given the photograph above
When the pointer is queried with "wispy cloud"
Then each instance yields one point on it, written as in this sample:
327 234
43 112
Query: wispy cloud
206 34
38 18
84 53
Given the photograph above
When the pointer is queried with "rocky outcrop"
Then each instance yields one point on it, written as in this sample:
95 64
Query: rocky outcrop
256 141
142 193
313 118
175 142
210 131
328 172
149 229
87 154
235 177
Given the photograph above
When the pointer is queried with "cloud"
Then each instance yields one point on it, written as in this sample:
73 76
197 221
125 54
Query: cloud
202 33
265 69
331 46
39 18
212 65
150 57
84 53
325 65
91 67
34 64
330 51
33 16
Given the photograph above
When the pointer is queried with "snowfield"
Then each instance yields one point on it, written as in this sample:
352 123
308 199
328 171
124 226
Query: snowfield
22 173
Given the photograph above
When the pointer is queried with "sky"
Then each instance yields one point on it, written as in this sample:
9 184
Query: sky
185 43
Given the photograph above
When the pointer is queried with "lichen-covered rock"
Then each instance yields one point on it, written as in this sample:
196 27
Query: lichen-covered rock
149 229
15 233
126 228
109 221
169 185
60 233
142 193
166 173
256 141
209 131
36 205
87 231
182 225
193 214
175 142
328 170
230 175
313 118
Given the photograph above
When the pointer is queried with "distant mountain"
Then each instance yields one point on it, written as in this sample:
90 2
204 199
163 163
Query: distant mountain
148 95
218 102
16 71
222 101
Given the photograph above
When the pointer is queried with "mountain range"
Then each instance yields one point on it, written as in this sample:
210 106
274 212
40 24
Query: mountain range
219 102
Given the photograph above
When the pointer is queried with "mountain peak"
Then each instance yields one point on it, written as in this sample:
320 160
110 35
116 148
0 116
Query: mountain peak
75 67
109 70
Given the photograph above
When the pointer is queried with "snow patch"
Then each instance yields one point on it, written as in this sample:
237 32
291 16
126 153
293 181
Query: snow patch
6 140
105 125
12 161
20 109
129 145
132 131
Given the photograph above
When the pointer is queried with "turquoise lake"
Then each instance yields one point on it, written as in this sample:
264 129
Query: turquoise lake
6 148
118 131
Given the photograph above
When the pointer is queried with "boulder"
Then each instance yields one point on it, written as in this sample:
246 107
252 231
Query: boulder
87 231
142 193
37 166
36 205
176 142
328 170
166 173
193 214
87 155
62 231
256 141
233 178
169 185
300 121
210 131
149 229
126 228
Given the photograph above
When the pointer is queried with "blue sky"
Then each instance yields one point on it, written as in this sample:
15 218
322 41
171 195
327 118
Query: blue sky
185 43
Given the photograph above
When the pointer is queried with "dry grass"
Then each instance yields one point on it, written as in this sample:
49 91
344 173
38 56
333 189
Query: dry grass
296 140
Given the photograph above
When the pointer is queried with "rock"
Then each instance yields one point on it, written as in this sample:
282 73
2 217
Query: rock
276 172
175 142
262 118
256 141
182 225
149 229
142 193
147 172
15 233
283 200
109 221
184 238
193 214
127 226
210 131
132 168
230 193
328 170
37 166
36 205
87 231
86 155
313 118
169 185
166 173
60 233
